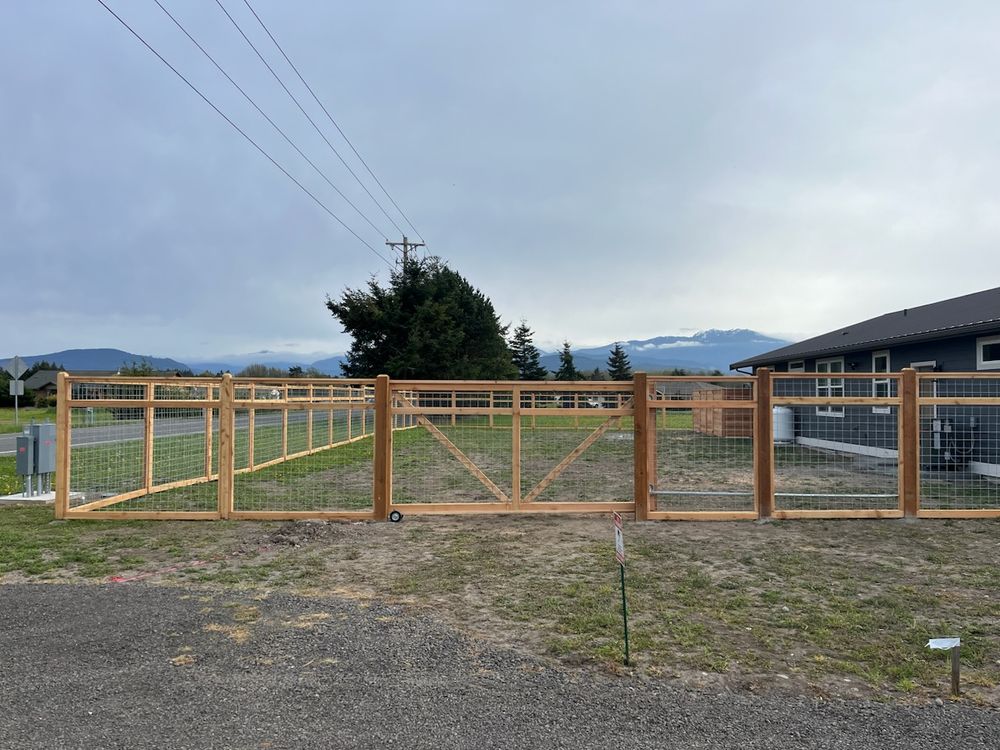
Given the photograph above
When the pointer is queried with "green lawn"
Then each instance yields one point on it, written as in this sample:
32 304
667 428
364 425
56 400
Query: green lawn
25 417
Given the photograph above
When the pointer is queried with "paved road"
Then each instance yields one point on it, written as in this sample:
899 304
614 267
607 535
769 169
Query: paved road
133 666
162 427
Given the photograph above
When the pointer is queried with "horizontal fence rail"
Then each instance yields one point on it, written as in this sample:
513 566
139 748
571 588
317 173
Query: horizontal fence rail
772 445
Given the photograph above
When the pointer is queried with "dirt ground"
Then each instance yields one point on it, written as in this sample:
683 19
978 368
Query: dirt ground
826 608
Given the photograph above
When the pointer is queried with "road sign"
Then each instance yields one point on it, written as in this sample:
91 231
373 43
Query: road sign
16 367
16 387
619 540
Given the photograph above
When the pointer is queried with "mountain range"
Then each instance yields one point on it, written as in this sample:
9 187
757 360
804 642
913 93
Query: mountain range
704 351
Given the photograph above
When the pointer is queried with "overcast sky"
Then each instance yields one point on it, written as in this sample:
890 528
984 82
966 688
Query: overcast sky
605 170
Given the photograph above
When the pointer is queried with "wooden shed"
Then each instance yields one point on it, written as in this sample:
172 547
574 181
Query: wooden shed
728 423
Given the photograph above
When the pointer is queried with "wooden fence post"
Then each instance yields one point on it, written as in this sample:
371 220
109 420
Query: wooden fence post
227 437
515 445
641 445
909 443
62 445
147 439
764 446
383 448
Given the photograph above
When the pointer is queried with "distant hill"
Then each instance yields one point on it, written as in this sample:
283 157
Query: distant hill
101 359
329 365
704 351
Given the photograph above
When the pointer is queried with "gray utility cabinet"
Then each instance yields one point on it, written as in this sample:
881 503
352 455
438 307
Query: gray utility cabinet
44 438
24 464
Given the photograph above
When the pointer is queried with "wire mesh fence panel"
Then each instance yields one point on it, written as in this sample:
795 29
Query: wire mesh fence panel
839 450
319 428
267 430
298 432
241 439
959 443
564 463
105 460
576 444
704 462
449 453
704 449
338 478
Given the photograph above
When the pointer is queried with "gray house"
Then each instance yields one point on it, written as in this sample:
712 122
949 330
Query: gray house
956 335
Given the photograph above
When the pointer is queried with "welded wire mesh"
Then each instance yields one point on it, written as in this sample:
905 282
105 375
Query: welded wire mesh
453 456
568 463
703 454
338 478
959 444
839 455
107 453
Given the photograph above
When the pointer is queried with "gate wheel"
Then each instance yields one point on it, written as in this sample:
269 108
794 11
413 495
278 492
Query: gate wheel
395 516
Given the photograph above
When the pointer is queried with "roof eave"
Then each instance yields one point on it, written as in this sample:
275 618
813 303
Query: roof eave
914 338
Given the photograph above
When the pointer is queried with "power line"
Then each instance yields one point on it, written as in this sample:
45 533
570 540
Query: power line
330 118
241 132
272 123
306 114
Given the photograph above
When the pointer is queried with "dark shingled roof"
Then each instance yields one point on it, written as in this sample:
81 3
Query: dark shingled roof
971 313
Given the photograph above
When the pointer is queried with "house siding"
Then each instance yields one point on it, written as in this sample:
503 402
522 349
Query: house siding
978 440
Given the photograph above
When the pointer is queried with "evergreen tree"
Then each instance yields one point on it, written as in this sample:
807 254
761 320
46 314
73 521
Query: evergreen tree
428 323
597 374
525 355
567 370
619 367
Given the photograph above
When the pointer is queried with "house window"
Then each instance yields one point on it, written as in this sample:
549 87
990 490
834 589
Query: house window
880 386
798 365
830 387
988 353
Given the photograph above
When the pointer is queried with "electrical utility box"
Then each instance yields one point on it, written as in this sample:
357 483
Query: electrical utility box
24 463
44 437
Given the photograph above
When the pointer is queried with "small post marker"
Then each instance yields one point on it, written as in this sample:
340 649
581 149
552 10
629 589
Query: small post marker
954 645
620 557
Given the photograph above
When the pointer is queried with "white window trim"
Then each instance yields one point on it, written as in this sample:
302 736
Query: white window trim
992 364
931 363
877 381
797 365
830 411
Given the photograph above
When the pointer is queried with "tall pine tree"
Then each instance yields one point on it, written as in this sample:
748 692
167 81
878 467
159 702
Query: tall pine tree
567 370
525 354
429 323
619 367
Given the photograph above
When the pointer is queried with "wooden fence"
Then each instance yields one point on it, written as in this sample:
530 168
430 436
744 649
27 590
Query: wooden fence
773 445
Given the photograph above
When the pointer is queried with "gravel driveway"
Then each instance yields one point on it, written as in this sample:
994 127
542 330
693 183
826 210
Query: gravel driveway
133 666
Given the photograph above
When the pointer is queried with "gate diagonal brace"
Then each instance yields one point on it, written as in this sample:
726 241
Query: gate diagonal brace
575 454
457 453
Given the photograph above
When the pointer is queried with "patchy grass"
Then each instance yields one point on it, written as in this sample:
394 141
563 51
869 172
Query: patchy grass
9 481
838 608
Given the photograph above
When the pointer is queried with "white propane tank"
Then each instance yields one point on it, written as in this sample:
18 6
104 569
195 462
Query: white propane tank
783 423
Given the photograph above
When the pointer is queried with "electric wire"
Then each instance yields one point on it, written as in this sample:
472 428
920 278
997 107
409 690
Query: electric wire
236 127
306 114
330 118
263 114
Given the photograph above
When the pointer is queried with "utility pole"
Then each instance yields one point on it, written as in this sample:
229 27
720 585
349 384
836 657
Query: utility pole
407 246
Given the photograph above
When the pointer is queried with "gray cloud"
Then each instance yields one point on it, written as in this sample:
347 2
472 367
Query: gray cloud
607 171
